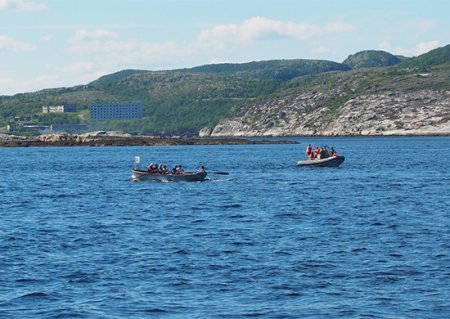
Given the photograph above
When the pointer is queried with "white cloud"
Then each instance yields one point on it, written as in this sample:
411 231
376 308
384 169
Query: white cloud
46 38
420 48
339 27
115 50
5 82
22 5
424 47
96 34
76 67
260 28
167 49
45 80
320 50
11 45
109 48
385 46
106 47
12 83
98 41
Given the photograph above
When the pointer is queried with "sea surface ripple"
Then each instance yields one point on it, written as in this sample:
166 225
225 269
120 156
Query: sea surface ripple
370 239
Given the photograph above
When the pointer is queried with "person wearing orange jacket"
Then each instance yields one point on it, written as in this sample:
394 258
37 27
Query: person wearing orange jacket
317 151
308 149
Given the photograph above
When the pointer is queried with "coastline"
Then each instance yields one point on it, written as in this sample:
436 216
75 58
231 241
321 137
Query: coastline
125 140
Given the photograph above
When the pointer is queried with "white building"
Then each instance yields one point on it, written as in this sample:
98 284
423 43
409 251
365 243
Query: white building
59 108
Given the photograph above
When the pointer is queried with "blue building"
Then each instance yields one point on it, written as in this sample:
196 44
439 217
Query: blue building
115 111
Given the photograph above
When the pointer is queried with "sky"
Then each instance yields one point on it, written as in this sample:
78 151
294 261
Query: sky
63 43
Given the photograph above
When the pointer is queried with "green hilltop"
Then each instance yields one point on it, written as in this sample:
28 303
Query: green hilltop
434 57
370 59
187 100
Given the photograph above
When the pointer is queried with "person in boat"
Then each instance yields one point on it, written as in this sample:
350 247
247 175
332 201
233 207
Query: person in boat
311 156
152 168
178 169
317 152
201 169
333 152
324 152
308 149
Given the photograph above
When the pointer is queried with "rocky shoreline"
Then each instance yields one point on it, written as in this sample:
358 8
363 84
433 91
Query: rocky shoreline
114 139
422 112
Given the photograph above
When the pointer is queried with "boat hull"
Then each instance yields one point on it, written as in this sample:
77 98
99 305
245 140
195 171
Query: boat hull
333 161
142 175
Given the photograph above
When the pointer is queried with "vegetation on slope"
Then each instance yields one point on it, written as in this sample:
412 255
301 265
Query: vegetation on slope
178 101
186 100
434 57
277 70
370 59
109 79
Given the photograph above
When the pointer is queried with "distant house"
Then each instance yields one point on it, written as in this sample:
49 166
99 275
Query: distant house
19 118
115 111
65 108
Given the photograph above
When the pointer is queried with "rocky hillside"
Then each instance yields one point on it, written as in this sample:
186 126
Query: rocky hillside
400 100
364 95
392 113
176 101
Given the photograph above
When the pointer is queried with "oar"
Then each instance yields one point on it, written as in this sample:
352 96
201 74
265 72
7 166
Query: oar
220 173
217 173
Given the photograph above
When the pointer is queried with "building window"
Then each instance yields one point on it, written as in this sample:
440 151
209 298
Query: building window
116 111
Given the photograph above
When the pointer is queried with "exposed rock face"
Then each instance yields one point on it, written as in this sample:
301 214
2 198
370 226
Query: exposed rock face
422 112
393 113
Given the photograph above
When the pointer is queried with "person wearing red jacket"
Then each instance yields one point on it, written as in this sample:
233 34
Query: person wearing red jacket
309 149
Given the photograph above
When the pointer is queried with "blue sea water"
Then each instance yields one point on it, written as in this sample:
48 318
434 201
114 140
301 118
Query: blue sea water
369 239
